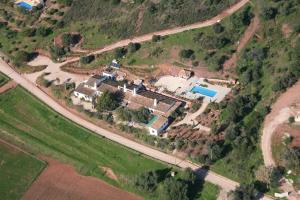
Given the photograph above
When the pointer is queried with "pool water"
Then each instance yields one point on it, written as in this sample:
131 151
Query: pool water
204 91
25 5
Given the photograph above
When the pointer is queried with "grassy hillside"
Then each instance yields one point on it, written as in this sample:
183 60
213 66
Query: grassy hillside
268 65
210 46
118 19
17 171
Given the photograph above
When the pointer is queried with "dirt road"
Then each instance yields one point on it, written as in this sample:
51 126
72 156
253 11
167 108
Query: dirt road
279 114
171 31
249 33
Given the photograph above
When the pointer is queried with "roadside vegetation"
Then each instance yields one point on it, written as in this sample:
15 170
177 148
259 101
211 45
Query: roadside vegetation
3 79
17 172
40 130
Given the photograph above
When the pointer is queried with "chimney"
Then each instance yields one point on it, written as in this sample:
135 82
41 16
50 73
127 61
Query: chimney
155 102
125 88
134 91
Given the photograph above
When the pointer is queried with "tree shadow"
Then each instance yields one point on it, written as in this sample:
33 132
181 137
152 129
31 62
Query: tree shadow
194 189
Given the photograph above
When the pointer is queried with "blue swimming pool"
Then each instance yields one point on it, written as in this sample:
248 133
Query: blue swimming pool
24 5
204 91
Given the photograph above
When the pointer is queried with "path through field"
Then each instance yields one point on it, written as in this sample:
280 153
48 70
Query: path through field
249 33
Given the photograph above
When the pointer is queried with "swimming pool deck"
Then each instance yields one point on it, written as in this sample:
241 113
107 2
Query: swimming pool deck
182 87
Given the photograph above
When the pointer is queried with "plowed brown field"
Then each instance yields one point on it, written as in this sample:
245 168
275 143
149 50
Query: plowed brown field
61 182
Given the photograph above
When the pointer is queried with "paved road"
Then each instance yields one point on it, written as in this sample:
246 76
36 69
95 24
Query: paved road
171 31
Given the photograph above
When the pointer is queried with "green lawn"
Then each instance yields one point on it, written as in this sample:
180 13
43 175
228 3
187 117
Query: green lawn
17 171
29 123
3 79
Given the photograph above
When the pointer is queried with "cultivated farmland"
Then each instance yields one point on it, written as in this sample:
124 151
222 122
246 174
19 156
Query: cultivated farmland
17 171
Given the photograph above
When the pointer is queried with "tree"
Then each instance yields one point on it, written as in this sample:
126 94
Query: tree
43 31
123 114
133 47
70 39
57 52
29 32
21 57
244 192
189 175
218 28
120 52
141 115
186 53
147 181
156 38
275 176
174 190
87 59
268 13
107 102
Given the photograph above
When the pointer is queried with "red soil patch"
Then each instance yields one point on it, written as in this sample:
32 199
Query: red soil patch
249 33
286 128
60 182
8 86
286 30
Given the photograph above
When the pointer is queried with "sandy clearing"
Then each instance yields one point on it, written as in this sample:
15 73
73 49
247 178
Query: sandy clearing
54 70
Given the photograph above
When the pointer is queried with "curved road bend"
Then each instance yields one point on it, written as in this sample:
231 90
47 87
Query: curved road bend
171 31
223 182
279 114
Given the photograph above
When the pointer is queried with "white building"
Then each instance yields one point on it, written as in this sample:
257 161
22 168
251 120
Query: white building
158 125
88 90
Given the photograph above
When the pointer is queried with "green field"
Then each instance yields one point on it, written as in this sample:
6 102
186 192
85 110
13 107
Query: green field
30 124
3 79
17 171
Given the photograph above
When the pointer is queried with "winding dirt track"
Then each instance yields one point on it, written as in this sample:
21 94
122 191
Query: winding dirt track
279 114
171 31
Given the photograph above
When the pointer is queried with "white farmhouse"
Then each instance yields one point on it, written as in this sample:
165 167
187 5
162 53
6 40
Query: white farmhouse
88 90
158 125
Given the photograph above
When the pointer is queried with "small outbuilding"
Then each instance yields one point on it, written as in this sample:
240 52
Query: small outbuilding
158 125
